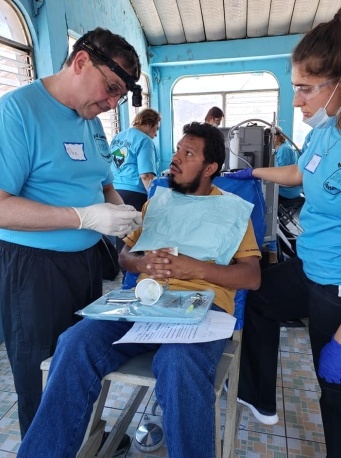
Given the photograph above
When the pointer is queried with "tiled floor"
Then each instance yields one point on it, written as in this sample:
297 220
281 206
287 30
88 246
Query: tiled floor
298 434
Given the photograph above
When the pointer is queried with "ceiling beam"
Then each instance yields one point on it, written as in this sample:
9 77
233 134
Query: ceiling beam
220 51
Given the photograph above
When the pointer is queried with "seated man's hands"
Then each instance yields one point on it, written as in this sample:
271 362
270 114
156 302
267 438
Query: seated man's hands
243 174
162 265
330 362
152 264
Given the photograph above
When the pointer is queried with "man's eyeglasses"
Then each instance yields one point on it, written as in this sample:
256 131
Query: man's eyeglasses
309 92
112 89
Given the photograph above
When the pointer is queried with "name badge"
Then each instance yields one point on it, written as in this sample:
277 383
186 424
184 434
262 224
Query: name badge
75 151
313 163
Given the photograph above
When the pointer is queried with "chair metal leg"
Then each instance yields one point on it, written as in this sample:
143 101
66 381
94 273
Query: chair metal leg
232 418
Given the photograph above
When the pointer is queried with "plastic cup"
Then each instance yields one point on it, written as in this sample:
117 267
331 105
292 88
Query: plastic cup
148 291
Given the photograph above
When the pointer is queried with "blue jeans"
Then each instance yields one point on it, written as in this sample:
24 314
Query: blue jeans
185 376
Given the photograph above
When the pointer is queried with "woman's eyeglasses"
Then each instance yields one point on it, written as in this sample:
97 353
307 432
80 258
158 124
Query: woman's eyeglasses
309 92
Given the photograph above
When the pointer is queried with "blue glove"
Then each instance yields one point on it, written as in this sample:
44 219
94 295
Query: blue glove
330 362
243 174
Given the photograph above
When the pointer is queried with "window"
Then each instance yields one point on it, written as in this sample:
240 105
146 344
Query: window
301 130
111 123
241 96
16 61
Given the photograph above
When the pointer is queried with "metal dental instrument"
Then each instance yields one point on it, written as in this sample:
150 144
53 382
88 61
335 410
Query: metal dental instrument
115 301
198 299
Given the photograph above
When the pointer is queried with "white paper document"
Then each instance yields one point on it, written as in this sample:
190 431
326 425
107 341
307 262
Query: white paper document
215 326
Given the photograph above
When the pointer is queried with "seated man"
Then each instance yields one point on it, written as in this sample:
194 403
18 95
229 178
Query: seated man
185 373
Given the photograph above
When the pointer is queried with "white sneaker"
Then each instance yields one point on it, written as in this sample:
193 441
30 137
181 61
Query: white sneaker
266 419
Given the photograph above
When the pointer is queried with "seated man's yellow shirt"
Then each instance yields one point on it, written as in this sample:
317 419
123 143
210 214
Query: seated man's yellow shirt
224 297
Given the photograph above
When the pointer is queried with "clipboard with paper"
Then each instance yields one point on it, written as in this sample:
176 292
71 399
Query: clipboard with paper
173 307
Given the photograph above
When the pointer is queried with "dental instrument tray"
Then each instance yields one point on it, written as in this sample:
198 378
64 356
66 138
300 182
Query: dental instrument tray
173 307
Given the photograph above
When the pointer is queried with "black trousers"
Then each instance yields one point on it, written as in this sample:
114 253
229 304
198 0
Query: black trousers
286 294
40 291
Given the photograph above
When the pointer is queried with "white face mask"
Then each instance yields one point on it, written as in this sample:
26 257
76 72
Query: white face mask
321 119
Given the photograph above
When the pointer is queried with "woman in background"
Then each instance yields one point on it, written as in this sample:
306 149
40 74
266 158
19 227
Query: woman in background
285 155
135 160
214 116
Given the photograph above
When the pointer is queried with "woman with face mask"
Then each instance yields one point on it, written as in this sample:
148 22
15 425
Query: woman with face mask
214 116
309 285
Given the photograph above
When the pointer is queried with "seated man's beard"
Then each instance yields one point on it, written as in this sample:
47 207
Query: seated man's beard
187 188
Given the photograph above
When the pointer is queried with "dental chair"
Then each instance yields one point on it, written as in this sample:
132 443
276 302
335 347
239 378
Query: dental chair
138 372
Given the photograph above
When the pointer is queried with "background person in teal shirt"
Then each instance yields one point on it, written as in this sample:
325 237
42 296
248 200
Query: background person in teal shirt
135 160
285 155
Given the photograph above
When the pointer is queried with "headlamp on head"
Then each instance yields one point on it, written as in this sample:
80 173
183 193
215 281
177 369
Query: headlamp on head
129 80
137 96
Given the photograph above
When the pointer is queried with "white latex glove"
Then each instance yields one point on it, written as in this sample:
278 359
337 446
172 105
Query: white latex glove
138 219
109 219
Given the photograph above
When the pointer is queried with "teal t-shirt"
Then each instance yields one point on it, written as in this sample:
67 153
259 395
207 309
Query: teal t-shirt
319 246
285 155
133 154
49 154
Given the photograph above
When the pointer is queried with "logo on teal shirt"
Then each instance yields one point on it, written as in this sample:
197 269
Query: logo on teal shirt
119 155
103 147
